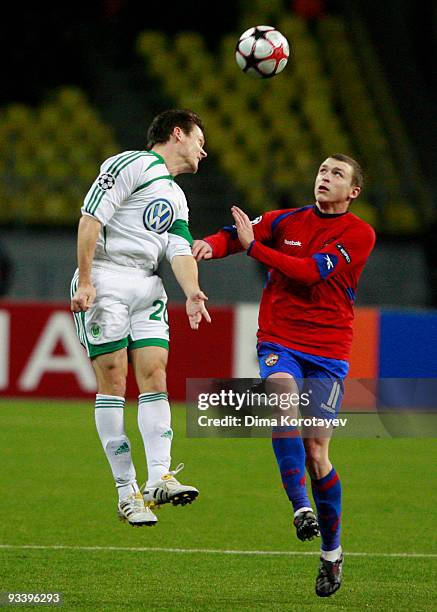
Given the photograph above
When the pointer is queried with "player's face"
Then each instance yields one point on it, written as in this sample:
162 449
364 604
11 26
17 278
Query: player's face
334 183
192 149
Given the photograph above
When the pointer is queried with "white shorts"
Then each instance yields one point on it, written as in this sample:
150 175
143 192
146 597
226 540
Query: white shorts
130 310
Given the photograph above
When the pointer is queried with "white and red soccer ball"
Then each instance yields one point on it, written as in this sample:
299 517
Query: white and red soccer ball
262 52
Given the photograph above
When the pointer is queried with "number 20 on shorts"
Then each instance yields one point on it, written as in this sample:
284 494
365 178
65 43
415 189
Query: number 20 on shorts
160 313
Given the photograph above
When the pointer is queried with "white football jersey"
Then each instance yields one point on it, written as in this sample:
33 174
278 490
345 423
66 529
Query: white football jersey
143 211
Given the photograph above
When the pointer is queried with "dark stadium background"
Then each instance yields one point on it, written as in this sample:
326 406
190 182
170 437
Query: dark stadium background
46 46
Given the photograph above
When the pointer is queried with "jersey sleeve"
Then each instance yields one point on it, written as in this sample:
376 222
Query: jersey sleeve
118 178
225 242
350 250
180 239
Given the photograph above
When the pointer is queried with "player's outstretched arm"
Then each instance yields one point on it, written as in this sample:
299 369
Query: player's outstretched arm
87 235
186 272
221 244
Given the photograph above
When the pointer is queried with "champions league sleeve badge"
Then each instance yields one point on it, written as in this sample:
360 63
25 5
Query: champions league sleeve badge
106 181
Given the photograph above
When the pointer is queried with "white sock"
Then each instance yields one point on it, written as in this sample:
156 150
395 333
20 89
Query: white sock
154 422
109 414
331 555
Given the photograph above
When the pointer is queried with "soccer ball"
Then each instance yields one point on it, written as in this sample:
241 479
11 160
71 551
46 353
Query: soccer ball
262 52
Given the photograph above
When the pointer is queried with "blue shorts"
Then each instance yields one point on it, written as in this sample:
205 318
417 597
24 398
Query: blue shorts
320 378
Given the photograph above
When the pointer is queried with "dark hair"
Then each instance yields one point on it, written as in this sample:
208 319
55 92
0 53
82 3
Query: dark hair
163 125
357 171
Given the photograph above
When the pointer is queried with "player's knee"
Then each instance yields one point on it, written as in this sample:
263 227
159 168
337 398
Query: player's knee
316 454
112 381
156 377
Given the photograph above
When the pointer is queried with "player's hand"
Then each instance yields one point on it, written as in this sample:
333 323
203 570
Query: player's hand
83 298
244 227
201 250
195 307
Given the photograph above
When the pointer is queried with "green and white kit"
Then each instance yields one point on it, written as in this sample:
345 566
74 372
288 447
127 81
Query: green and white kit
144 216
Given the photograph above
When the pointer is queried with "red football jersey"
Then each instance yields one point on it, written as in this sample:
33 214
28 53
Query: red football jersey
315 260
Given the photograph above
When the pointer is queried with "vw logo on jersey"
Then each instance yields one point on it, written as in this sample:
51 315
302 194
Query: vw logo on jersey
158 216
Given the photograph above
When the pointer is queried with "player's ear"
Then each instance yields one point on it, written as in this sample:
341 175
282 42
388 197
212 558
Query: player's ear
355 192
177 133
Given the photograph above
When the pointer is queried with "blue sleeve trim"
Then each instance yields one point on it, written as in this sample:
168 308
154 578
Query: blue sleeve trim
351 294
326 262
287 214
232 230
250 247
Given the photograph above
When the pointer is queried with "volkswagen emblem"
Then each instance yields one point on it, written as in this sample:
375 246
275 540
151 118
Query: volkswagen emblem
158 216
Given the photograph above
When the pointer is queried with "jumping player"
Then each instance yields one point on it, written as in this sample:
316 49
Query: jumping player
133 215
315 256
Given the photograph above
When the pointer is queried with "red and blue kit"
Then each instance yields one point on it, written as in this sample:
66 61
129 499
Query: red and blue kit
314 260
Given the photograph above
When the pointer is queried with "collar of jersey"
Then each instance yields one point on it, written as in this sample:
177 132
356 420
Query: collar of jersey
161 159
323 215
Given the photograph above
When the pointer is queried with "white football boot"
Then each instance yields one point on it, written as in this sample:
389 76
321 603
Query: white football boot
133 510
169 490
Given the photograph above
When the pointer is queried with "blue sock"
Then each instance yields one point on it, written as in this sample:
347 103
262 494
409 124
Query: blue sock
327 497
290 455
